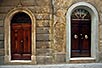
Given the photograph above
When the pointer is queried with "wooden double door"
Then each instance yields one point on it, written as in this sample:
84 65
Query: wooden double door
80 38
21 41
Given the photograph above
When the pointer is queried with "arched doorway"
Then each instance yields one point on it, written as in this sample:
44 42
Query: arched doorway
20 37
80 33
20 26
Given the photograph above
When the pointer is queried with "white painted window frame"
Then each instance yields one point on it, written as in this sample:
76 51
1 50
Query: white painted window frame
94 30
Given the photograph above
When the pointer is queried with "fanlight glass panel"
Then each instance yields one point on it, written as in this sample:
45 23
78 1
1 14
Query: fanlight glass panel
80 14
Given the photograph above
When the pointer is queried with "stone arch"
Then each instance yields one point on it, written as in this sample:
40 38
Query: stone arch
94 30
7 39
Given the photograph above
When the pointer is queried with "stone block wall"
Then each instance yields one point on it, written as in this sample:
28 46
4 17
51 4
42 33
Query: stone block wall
50 22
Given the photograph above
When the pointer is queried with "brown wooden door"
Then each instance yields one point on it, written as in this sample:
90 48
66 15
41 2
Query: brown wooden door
80 38
21 41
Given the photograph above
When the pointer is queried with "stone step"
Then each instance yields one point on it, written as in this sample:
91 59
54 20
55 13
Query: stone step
90 65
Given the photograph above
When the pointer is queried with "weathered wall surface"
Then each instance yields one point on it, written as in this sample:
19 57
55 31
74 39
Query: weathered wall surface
50 27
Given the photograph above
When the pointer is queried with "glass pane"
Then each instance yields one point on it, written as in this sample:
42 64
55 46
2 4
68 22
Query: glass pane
80 14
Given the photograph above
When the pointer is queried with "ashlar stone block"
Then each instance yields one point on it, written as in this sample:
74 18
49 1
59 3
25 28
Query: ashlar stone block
43 44
44 23
43 30
1 30
43 37
1 23
43 2
44 52
1 37
9 2
43 16
44 60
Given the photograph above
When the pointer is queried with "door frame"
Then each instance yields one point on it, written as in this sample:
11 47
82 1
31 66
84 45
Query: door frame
94 30
7 37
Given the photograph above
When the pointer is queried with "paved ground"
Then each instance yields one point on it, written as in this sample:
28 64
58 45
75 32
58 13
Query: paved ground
90 65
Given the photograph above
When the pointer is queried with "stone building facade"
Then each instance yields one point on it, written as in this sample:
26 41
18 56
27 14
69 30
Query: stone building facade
50 30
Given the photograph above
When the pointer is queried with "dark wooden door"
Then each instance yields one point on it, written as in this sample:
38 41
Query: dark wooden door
21 41
80 38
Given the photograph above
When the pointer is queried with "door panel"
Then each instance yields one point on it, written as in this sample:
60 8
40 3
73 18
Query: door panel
27 40
74 36
21 41
81 38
